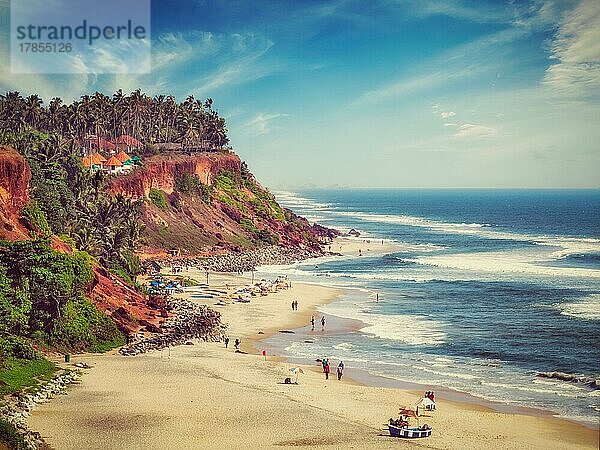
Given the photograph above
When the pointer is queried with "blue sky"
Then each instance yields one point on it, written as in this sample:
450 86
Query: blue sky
404 93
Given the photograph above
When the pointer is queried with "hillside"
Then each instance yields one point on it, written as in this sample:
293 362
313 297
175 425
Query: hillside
208 202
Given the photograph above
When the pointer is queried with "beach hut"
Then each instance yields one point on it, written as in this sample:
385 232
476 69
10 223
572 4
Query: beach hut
122 156
113 166
93 161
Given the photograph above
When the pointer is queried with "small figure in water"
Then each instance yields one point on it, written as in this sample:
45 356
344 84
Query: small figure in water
323 323
312 323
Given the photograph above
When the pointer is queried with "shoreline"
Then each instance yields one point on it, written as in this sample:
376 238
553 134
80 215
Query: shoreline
247 401
350 246
366 378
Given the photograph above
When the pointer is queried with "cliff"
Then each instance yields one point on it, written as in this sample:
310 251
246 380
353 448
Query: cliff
160 171
208 203
14 193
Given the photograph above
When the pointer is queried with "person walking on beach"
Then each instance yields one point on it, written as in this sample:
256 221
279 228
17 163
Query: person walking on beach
293 305
237 343
324 363
322 323
340 370
227 342
312 323
326 370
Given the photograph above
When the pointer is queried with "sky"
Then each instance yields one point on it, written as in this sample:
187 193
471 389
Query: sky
379 93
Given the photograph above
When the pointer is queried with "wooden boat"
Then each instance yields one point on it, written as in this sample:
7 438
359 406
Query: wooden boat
406 432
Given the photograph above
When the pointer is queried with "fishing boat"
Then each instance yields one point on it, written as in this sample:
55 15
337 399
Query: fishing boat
410 433
401 427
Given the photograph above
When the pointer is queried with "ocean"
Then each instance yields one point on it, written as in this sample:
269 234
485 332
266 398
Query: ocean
487 290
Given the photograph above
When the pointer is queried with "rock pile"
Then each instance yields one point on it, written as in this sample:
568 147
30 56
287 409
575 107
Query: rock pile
18 408
189 321
250 260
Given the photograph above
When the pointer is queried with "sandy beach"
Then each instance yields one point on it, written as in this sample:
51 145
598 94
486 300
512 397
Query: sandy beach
207 396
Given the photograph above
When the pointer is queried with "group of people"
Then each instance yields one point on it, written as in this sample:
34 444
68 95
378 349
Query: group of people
295 305
327 369
236 343
312 323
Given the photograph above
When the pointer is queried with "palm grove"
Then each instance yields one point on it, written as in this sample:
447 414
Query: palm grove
41 290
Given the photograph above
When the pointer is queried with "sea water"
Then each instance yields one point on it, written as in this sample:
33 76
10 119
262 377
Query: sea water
488 288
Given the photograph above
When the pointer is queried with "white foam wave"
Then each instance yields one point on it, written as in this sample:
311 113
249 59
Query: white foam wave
510 261
567 245
291 200
587 308
344 346
412 330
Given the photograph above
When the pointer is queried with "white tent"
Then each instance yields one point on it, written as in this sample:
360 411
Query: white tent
425 403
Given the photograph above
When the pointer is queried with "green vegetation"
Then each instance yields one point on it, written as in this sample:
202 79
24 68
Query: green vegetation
71 202
10 437
158 198
187 183
19 374
192 123
42 299
34 214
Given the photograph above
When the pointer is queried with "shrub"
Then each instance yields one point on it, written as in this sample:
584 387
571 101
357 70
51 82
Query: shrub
158 198
83 326
187 183
11 437
17 347
36 217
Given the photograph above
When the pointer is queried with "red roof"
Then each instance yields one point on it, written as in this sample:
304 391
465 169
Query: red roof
128 141
122 156
98 157
112 161
101 143
93 160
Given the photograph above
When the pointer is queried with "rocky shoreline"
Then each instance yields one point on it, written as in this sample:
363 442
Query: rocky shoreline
189 321
17 410
247 261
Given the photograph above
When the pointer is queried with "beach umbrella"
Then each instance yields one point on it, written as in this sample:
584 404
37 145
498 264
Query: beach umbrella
408 413
296 370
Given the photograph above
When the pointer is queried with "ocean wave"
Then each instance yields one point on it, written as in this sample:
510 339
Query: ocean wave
589 382
502 262
344 346
587 308
567 245
291 200
411 330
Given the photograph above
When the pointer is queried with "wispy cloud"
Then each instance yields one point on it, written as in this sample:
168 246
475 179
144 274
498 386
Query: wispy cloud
262 123
447 114
469 130
576 50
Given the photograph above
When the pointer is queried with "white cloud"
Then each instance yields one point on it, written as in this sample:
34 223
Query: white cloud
261 123
469 130
447 114
576 48
449 124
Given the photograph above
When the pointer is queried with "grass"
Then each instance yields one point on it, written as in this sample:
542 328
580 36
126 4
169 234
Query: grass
22 374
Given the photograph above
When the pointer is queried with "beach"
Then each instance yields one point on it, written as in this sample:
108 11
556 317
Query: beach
207 396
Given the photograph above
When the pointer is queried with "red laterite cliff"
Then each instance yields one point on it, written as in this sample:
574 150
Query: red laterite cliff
14 193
